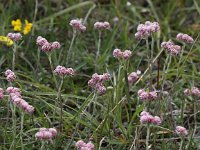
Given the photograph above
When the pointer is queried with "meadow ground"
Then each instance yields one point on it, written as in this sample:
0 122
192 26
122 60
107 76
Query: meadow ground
103 74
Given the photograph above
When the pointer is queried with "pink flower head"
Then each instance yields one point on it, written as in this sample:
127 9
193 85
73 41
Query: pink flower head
102 25
181 131
132 77
195 91
40 41
12 90
62 71
15 36
29 109
171 48
96 82
106 77
46 134
156 120
46 47
145 30
100 88
55 45
127 54
147 96
145 119
78 25
117 53
81 145
10 75
185 38
187 92
53 131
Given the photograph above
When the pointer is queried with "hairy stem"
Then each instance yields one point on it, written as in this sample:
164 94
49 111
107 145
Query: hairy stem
70 48
147 137
98 52
14 55
21 131
61 102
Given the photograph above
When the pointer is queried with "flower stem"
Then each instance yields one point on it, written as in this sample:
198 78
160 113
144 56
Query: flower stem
70 48
14 55
61 102
38 61
98 52
21 132
13 108
52 69
181 146
147 137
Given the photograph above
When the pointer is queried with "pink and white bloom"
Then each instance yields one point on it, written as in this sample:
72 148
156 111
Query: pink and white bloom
102 25
46 134
147 96
117 53
146 118
182 131
62 71
96 82
171 48
185 38
145 30
78 25
81 145
15 36
10 75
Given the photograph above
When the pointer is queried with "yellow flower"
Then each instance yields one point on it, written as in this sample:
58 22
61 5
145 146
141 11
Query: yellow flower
6 40
27 27
17 24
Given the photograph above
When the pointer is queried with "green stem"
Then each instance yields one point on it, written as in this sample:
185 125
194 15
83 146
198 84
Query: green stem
181 146
13 108
42 146
98 52
147 137
21 132
52 69
61 103
127 92
14 55
38 60
70 48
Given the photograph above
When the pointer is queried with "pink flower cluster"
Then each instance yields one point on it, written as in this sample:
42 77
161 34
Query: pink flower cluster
10 75
171 48
185 38
46 134
133 77
14 36
147 96
146 118
181 131
16 98
102 25
62 71
145 30
1 93
97 82
78 25
194 91
117 53
81 145
45 45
